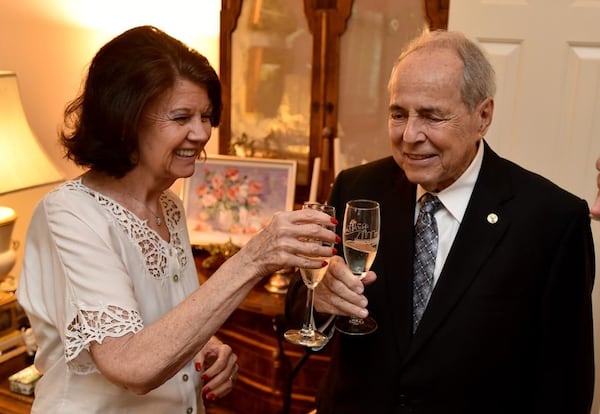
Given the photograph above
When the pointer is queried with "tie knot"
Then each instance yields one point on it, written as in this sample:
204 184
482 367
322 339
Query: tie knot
430 203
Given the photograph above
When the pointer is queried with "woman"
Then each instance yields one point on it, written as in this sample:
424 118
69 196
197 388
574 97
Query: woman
108 279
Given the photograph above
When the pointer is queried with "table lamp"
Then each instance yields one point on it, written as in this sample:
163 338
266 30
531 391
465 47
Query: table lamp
23 164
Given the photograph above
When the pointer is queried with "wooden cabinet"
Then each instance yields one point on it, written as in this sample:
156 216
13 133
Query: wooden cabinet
296 75
265 384
10 402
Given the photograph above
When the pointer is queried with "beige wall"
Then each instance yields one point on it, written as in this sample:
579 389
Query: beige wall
50 51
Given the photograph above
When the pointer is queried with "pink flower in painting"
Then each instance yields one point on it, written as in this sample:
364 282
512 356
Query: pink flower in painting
254 188
201 190
219 193
217 181
233 193
253 200
232 174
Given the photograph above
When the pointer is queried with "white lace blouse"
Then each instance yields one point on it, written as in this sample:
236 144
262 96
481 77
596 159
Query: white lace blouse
92 270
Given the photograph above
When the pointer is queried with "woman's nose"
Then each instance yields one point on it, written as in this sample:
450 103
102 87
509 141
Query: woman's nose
199 130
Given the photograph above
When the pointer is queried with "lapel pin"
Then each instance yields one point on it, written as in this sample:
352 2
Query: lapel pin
492 218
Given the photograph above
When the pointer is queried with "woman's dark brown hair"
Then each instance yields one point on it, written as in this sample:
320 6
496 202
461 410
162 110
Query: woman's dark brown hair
127 73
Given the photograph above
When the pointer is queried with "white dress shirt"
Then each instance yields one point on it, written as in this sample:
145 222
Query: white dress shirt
455 199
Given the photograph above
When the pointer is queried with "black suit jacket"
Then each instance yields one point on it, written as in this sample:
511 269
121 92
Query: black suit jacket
508 328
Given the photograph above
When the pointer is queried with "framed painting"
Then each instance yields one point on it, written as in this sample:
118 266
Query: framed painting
229 199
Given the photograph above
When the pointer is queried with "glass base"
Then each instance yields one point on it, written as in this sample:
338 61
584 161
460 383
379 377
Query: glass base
356 326
300 337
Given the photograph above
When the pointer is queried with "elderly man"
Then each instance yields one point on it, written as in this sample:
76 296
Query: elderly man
501 321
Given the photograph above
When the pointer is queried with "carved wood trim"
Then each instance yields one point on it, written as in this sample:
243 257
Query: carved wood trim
327 21
230 12
436 13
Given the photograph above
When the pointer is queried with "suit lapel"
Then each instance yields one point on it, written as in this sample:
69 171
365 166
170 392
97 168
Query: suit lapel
481 229
397 215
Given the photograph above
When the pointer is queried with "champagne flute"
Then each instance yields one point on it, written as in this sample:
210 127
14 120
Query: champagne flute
360 236
308 335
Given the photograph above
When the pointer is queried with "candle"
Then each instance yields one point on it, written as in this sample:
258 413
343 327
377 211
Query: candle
314 182
337 160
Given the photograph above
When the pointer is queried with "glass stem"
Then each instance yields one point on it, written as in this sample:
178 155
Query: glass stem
308 328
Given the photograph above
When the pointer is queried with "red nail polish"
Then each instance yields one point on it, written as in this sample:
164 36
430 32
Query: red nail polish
337 239
211 397
198 366
334 221
335 251
324 264
204 377
205 390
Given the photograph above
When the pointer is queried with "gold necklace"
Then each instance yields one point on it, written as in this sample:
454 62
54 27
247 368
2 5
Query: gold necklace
157 218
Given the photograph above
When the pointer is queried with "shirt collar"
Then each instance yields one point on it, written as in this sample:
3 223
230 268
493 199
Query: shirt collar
456 197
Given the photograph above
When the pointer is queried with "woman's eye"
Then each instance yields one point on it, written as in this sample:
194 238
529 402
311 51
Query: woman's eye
180 118
206 117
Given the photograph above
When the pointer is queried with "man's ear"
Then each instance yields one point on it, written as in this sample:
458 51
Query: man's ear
485 111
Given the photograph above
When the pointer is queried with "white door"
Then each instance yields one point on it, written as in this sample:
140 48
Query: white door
546 54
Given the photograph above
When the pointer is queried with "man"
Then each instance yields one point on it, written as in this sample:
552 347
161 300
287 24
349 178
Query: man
508 325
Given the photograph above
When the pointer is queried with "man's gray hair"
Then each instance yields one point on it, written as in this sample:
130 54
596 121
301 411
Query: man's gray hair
478 81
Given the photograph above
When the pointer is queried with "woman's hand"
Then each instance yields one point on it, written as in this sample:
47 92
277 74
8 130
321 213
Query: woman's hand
341 292
283 244
217 364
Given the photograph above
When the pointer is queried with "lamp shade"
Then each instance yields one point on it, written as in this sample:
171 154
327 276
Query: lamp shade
23 163
7 253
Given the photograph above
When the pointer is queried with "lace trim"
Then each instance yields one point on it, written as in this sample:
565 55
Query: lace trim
93 326
152 247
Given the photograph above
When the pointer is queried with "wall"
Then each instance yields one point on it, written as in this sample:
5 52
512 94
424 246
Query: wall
49 44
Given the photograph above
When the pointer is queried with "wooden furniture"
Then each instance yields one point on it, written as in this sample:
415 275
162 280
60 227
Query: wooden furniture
10 402
266 361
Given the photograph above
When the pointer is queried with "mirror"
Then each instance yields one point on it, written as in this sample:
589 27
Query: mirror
270 83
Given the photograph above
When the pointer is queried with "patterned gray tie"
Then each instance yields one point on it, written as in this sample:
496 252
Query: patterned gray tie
426 245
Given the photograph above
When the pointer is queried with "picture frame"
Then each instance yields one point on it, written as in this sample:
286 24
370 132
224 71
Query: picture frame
229 199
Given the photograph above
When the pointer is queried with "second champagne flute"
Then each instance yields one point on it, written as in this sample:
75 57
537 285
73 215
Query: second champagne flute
360 236
308 335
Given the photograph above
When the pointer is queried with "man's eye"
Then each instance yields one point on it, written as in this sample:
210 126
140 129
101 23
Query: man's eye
397 116
206 117
432 118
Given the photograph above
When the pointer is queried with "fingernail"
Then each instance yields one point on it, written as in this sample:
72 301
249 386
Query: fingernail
334 221
204 377
198 366
205 390
211 397
337 239
324 263
334 251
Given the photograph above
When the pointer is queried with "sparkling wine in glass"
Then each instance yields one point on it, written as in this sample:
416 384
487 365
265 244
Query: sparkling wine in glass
308 335
360 236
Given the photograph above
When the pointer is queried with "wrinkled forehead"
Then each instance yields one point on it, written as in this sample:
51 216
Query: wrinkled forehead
429 66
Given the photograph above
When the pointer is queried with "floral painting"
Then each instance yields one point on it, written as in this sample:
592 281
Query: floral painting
233 198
